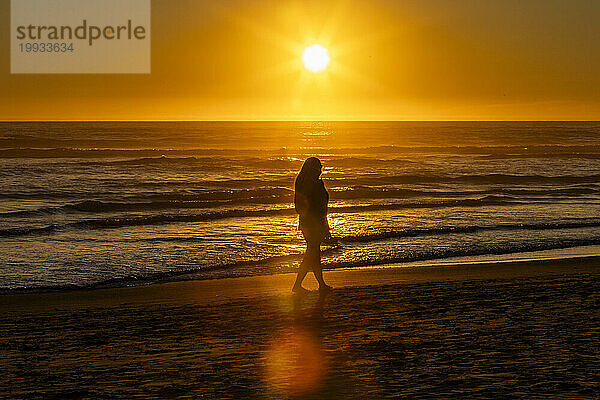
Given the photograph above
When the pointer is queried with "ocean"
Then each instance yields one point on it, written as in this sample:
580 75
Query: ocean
104 204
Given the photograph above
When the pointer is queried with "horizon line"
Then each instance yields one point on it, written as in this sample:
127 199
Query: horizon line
297 120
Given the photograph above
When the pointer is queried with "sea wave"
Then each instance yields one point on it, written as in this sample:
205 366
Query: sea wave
130 221
126 221
472 179
177 201
362 186
264 265
375 179
444 230
282 195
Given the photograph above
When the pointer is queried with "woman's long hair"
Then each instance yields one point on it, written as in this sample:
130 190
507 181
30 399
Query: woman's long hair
305 181
310 171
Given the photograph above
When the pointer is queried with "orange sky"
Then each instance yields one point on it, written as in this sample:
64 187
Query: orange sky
390 60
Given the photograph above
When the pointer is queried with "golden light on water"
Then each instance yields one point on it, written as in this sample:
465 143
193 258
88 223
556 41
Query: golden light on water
315 58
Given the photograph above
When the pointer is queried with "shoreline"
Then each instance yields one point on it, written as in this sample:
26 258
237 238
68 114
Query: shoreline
202 275
220 290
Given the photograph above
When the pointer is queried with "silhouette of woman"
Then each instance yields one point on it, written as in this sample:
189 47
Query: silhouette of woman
310 199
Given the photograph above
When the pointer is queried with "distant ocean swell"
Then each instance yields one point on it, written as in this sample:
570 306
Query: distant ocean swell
385 179
268 195
34 147
94 206
121 222
376 179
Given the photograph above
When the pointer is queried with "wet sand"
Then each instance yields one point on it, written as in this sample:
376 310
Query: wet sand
519 329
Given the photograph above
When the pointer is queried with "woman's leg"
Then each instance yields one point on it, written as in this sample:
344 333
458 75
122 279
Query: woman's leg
311 255
317 267
302 271
318 271
311 261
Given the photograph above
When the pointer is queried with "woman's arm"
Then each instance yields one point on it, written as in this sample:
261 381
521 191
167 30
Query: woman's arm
327 237
300 203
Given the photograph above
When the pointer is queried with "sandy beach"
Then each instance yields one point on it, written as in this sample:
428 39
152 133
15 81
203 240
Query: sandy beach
504 330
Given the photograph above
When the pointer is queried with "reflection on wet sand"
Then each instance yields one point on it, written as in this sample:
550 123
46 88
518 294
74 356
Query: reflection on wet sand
295 362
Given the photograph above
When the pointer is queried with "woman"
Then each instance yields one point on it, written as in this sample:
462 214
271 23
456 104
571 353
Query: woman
311 200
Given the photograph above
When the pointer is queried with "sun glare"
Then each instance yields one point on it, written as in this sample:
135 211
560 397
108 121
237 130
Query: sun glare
315 58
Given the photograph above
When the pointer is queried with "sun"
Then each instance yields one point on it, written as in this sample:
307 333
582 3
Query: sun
315 58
